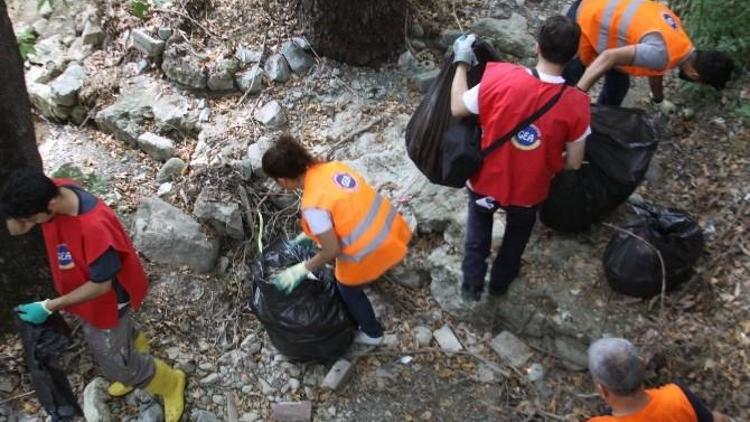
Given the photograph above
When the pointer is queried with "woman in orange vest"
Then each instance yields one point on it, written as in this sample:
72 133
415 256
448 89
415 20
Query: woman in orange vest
618 372
640 38
351 222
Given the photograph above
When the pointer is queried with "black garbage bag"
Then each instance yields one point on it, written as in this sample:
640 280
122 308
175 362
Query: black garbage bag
424 133
618 153
632 267
43 346
310 324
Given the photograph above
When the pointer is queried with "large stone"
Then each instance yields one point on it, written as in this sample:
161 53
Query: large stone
339 375
66 86
221 78
223 216
248 56
292 411
158 147
251 80
512 350
171 169
447 341
143 41
166 235
255 153
277 68
509 36
51 53
204 416
41 97
299 60
181 66
271 115
93 34
95 398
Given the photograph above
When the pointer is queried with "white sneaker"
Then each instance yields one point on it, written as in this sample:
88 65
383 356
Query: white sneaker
362 338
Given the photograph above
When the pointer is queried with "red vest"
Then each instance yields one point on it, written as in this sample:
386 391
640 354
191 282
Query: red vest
75 242
519 173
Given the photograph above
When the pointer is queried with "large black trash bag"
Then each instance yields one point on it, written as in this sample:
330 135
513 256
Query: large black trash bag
633 268
310 324
424 133
618 153
43 346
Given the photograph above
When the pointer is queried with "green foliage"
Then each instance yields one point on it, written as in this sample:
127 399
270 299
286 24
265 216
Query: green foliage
26 40
139 8
718 24
91 182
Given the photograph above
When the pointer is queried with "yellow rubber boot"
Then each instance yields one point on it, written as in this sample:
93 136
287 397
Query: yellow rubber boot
170 385
118 389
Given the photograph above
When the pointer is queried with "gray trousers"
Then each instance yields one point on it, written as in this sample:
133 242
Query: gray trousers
114 353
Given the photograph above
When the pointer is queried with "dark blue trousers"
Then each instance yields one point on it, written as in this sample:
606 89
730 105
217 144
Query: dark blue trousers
361 309
616 83
507 264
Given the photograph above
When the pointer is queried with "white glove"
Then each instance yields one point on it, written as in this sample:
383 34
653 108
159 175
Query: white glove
463 51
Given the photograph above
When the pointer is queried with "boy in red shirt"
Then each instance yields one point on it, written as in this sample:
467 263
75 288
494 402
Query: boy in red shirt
517 176
97 273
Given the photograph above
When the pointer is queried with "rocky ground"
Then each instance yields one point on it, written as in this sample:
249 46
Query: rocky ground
167 117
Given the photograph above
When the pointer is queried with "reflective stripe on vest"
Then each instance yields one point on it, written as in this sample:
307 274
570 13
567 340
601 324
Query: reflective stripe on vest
622 28
363 225
377 240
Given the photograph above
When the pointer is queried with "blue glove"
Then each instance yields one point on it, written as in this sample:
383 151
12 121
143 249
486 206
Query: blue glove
302 240
290 278
35 312
463 51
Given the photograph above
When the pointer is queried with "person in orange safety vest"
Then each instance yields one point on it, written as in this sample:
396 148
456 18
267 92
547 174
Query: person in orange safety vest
352 223
620 38
618 372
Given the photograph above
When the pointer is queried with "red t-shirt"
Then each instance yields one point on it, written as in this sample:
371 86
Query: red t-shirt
519 173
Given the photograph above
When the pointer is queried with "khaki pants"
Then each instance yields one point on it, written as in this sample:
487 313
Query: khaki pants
114 353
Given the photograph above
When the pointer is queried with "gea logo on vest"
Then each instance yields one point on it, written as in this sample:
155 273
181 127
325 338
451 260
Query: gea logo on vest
64 257
528 138
669 19
345 181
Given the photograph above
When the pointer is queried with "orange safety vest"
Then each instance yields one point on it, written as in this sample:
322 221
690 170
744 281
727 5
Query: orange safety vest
668 404
373 236
607 24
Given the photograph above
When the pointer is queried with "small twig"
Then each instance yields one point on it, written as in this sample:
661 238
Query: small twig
18 396
190 18
455 16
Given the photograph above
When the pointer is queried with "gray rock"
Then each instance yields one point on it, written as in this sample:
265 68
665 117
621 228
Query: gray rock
535 373
181 66
210 379
485 374
150 412
251 80
158 147
203 416
447 341
164 189
409 277
247 56
265 387
224 217
41 97
51 53
271 115
143 41
221 78
66 86
255 153
573 353
172 168
218 399
249 417
422 80
173 112
509 36
338 376
166 235
422 335
95 398
501 9
299 60
277 68
292 411
244 167
164 33
8 383
92 34
511 349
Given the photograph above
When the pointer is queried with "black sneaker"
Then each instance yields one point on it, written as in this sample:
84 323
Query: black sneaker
470 294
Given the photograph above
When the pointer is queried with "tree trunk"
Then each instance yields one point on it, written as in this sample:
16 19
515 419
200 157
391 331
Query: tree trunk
24 273
360 32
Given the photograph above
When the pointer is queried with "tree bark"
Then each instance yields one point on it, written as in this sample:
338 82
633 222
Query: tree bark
359 32
24 272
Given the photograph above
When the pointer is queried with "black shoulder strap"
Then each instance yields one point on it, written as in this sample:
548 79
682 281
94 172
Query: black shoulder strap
539 113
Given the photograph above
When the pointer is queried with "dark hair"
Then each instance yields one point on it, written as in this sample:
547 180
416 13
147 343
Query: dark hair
27 192
287 158
558 39
714 67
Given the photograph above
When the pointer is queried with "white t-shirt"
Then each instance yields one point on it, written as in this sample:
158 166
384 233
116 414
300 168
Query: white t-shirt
318 219
471 97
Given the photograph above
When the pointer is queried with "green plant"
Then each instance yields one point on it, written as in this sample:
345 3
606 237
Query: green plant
139 8
91 182
26 40
718 24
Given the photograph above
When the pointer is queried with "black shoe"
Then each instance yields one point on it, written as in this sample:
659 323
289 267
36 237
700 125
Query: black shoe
498 291
471 294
